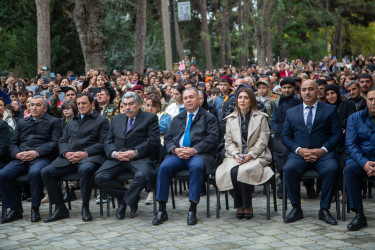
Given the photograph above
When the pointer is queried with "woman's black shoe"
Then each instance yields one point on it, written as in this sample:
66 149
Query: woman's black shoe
240 216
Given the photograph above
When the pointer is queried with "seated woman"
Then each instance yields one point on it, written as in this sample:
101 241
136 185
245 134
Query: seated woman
247 154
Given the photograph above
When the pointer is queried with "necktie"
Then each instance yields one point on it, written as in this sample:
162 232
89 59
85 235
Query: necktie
186 141
309 119
130 124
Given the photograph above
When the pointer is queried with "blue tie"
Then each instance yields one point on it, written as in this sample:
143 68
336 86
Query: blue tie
309 119
186 141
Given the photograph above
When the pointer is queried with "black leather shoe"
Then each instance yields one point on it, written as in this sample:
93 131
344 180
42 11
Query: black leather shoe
357 223
12 216
192 218
160 218
327 217
120 213
86 215
248 216
294 215
133 209
35 215
240 216
59 214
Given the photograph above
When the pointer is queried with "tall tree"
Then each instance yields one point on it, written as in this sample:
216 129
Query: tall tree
87 16
44 32
166 34
224 32
140 36
205 34
179 45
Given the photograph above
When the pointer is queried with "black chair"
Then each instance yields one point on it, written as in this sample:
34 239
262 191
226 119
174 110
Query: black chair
312 175
364 179
185 176
271 183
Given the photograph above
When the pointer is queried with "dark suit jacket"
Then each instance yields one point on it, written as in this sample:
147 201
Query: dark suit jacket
87 134
41 135
204 135
4 143
326 130
143 136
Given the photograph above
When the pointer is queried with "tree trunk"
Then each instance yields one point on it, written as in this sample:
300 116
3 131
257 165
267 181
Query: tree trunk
326 29
340 37
166 34
241 32
204 34
179 45
44 33
336 37
140 37
87 17
229 47
224 32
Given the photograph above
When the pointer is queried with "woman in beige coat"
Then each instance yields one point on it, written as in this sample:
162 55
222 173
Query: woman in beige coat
247 154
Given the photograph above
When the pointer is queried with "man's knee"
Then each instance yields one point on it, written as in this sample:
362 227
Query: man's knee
139 177
100 179
46 172
86 170
352 168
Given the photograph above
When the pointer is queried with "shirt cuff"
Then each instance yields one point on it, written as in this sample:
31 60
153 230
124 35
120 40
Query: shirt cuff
297 150
113 154
324 148
196 151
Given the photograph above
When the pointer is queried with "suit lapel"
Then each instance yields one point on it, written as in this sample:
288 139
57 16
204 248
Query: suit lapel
301 118
137 121
318 114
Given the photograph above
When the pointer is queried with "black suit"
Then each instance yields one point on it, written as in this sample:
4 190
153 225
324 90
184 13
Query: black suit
326 132
40 135
4 143
88 135
143 136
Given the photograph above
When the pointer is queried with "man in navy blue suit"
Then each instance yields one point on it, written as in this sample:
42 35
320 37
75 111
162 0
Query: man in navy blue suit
311 132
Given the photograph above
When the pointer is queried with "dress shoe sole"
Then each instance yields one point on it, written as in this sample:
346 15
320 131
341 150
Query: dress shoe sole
192 223
240 216
13 219
248 216
356 228
87 219
47 220
160 222
36 219
294 220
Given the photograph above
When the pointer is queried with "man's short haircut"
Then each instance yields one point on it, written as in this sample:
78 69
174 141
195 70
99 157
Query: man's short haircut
297 79
131 94
371 89
363 76
321 82
288 80
105 91
12 92
196 91
89 96
22 91
215 91
350 83
266 76
45 102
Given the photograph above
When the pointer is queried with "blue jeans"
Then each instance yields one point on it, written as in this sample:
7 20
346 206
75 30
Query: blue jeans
11 171
174 164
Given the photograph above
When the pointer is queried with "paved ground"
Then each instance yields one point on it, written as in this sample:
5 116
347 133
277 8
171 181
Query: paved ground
210 233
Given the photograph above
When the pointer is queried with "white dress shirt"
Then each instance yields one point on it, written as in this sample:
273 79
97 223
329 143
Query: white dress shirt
187 121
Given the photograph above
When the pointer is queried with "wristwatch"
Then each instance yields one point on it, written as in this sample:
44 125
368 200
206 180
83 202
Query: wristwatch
136 153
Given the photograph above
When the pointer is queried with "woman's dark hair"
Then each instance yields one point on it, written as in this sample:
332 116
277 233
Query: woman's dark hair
250 93
155 100
180 88
119 90
336 89
71 105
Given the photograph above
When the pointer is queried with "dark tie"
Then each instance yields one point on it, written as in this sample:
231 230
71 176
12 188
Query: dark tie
186 141
309 122
130 124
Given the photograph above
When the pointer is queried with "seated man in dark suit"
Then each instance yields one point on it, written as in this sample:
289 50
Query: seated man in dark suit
311 132
81 149
33 144
4 143
191 143
130 147
360 143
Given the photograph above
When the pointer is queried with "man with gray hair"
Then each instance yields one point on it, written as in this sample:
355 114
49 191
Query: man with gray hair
33 144
130 147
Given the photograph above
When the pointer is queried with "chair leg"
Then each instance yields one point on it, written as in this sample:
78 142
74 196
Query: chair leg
101 202
154 205
108 205
50 209
268 200
338 202
217 202
284 200
175 187
180 184
208 196
113 202
95 192
67 194
184 182
172 192
226 200
343 198
3 212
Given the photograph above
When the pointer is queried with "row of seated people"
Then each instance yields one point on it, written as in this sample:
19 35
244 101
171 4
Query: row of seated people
100 152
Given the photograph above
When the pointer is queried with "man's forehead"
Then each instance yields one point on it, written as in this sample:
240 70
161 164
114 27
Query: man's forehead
371 94
128 100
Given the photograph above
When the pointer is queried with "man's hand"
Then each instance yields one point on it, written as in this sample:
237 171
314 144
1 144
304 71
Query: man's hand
20 156
317 153
305 153
56 92
27 155
78 156
189 151
121 156
40 70
369 167
40 81
182 153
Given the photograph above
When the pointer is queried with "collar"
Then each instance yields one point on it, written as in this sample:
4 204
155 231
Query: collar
370 115
194 114
315 105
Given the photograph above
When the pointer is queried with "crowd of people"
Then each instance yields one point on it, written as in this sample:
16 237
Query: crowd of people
230 123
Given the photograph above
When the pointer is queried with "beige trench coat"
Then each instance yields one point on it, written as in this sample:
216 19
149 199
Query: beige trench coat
255 171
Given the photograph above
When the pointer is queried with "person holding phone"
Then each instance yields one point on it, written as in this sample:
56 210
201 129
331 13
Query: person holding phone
247 154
